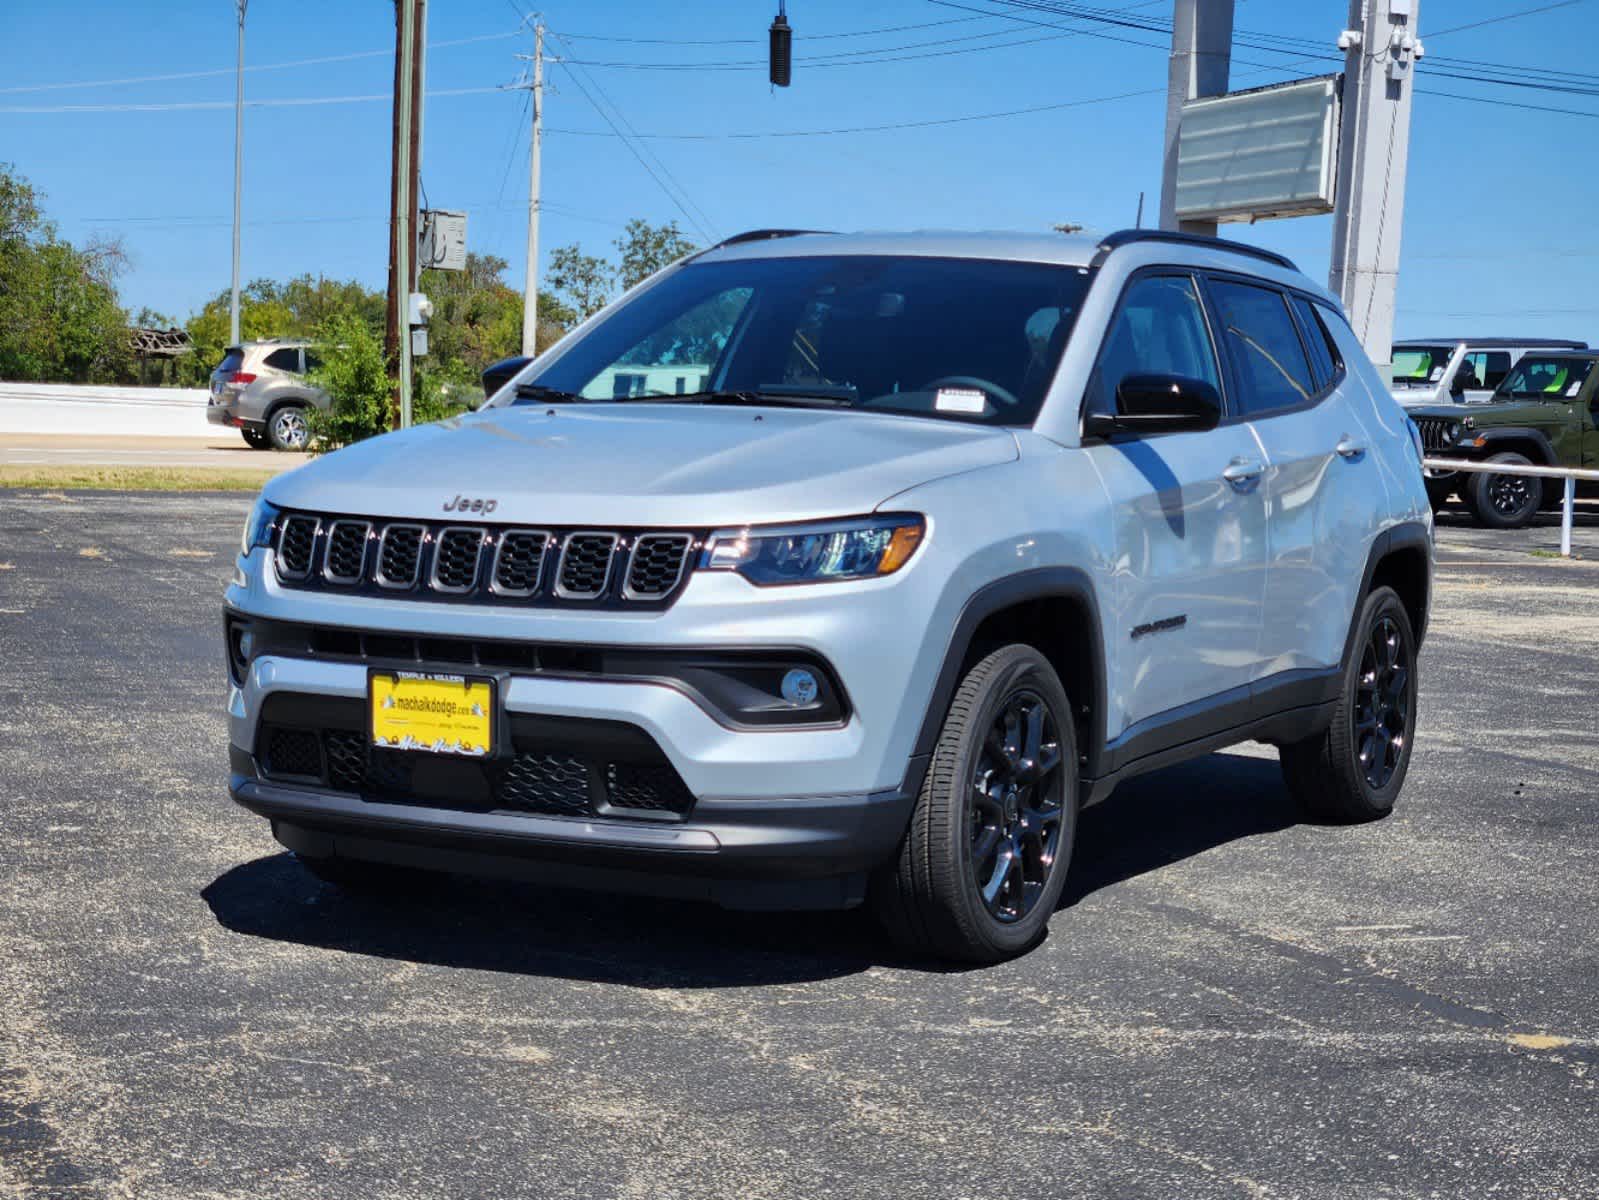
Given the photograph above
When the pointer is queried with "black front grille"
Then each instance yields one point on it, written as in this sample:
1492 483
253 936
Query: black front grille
455 561
550 766
1434 432
484 564
344 560
646 788
586 564
519 561
399 556
293 752
296 546
657 564
546 783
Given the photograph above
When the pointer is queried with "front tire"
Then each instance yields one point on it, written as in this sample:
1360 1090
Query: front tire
1439 489
1354 770
288 429
1505 501
981 867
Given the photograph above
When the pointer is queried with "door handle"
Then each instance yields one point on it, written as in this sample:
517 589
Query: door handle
1243 470
1347 447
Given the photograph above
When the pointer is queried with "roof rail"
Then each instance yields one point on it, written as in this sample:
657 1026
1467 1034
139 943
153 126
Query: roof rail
761 235
1127 237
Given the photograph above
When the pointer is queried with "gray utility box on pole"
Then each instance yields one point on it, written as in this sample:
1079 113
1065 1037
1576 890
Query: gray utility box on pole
443 241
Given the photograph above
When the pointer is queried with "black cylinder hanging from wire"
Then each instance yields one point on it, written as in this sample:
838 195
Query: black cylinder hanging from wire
781 57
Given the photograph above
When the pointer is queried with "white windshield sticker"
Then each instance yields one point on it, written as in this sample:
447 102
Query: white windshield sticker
1574 388
960 400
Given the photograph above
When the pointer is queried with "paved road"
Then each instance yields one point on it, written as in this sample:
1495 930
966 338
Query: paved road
222 449
1233 1003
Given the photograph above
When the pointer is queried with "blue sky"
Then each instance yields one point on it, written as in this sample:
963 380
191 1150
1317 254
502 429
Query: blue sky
1498 235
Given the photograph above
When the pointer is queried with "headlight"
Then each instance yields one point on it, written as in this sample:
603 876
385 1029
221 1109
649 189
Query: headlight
258 526
863 548
1453 432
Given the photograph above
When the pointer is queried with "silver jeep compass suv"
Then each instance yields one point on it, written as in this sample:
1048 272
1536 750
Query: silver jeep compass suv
822 569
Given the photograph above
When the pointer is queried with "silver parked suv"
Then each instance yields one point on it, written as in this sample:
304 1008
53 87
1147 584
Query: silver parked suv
260 389
824 569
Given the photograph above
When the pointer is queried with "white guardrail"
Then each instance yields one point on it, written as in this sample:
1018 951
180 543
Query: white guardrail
65 408
1569 474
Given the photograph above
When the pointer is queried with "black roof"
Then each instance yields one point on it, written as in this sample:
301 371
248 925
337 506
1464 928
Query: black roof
1492 342
1128 237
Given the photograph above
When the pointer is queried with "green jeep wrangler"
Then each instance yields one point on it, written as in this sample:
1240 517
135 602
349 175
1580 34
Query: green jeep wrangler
1546 412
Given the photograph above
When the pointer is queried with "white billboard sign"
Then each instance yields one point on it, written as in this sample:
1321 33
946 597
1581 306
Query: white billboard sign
443 241
1268 152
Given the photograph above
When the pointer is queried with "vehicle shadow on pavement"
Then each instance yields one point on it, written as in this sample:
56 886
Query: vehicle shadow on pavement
1176 813
494 925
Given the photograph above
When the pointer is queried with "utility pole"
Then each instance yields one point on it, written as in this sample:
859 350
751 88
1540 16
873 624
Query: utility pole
1381 49
238 174
397 333
530 287
1201 58
419 41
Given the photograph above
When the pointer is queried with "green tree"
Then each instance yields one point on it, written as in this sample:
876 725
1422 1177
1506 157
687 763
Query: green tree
582 281
59 314
355 373
646 248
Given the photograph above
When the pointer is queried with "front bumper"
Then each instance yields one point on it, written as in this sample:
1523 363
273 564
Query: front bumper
812 853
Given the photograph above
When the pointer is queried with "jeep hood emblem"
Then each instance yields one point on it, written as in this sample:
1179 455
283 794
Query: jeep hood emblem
479 504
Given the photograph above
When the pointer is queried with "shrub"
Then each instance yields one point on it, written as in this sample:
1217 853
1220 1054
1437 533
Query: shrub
354 372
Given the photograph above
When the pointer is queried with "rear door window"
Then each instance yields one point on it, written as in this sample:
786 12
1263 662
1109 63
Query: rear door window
231 361
1324 361
287 359
1264 347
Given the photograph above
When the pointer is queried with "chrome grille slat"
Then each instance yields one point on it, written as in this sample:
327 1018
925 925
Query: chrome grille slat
344 554
399 555
656 565
458 558
585 568
297 545
518 562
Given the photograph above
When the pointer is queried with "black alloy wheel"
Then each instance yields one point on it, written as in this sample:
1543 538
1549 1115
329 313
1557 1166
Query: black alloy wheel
983 862
1510 494
1016 808
1381 713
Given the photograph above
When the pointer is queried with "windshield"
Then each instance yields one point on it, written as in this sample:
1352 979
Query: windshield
1417 364
967 339
1546 378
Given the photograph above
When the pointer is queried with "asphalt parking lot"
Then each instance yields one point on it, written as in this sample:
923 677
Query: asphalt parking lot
1232 1004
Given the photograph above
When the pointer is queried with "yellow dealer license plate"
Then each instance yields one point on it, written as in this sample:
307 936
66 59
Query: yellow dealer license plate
441 714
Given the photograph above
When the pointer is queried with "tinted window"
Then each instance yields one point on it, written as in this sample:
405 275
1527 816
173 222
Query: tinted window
312 362
1324 362
1264 347
1487 367
1420 364
900 334
1159 330
284 360
232 360
1547 378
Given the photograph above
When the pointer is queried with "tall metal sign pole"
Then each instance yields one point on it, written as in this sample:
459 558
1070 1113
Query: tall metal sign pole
1201 59
530 288
238 174
1381 49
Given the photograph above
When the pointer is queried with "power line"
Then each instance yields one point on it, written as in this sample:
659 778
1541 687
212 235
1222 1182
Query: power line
1526 12
1568 112
299 62
636 152
209 105
810 37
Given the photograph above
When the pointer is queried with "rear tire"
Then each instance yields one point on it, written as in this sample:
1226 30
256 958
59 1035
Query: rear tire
1505 501
1354 770
982 865
287 428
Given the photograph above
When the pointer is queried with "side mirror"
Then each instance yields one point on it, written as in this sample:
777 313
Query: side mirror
1147 404
496 376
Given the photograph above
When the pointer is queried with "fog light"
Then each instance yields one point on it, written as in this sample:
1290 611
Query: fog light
800 687
247 645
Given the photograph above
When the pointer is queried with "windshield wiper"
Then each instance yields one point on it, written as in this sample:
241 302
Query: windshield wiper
777 397
548 395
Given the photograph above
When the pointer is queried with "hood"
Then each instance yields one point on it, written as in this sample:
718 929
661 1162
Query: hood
642 464
1454 412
